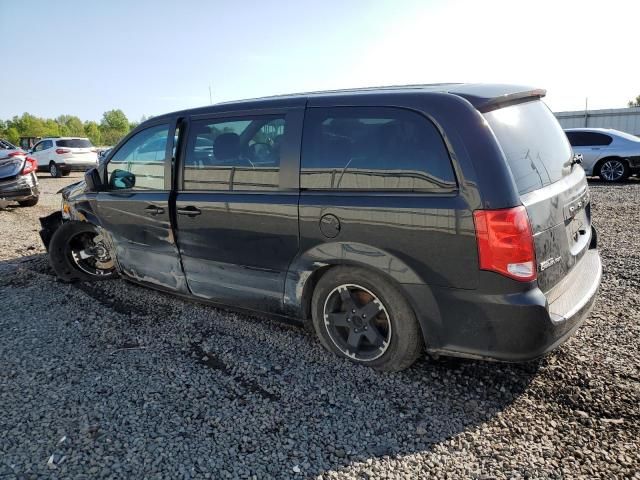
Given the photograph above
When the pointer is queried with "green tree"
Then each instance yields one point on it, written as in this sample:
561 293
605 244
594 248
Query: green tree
70 125
635 103
12 135
28 125
92 132
113 126
115 119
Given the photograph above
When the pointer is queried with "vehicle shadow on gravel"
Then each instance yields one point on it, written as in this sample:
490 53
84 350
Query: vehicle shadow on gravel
225 392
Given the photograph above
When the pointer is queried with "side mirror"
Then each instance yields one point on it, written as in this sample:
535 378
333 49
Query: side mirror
121 179
93 180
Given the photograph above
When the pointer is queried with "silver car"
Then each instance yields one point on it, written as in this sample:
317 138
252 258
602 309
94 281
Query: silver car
18 180
610 154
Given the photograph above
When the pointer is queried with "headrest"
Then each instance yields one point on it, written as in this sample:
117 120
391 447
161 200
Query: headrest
226 146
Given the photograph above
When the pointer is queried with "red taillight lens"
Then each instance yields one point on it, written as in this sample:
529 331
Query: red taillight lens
60 151
15 154
30 165
505 242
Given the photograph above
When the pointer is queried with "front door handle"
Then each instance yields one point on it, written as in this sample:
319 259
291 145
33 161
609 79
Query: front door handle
189 211
153 210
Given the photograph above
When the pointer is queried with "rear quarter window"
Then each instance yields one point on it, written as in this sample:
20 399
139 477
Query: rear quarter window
373 148
534 144
587 139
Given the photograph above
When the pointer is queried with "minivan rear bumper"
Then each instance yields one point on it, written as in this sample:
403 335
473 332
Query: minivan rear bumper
511 327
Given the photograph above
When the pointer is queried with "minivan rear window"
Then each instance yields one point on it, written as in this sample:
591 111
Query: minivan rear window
74 143
535 145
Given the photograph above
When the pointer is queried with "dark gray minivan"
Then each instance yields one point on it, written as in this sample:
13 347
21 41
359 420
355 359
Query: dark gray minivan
449 218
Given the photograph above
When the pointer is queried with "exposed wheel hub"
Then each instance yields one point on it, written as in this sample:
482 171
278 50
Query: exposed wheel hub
90 255
357 322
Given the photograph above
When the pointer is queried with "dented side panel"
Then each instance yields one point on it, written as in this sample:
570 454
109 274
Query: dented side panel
138 228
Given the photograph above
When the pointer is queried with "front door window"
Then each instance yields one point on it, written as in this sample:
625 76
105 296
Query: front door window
139 163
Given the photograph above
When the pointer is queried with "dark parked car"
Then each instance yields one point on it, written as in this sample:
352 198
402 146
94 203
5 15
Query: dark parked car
447 217
18 180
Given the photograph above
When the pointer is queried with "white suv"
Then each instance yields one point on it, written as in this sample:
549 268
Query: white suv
61 155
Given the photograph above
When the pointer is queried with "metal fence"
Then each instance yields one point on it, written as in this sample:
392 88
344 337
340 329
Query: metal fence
624 119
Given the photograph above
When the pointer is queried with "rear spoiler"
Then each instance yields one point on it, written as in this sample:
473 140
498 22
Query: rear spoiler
511 99
501 96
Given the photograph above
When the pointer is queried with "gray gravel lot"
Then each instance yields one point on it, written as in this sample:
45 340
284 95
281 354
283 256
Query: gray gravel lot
113 380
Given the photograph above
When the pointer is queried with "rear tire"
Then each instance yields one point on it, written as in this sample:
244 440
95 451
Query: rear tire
30 202
68 257
54 170
613 170
359 315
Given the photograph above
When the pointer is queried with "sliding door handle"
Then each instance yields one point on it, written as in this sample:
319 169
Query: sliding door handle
189 211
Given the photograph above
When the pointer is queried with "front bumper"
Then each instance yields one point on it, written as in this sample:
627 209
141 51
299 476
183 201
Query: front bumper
511 327
49 224
20 187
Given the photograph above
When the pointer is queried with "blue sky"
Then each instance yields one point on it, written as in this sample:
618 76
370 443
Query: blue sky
150 57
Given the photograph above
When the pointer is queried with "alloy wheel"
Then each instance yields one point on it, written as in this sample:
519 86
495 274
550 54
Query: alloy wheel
612 170
357 322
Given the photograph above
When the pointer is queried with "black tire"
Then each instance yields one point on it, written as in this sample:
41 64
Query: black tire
61 253
396 323
612 170
54 170
30 202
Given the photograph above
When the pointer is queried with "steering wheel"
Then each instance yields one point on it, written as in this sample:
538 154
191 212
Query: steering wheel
260 152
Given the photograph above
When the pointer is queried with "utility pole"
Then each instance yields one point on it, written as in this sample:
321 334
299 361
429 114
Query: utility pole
586 111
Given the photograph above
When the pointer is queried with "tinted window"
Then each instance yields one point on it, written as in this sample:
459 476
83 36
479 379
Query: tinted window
74 143
47 144
535 146
369 148
242 153
39 147
139 163
587 139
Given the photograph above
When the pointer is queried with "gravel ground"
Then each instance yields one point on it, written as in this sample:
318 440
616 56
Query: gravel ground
113 380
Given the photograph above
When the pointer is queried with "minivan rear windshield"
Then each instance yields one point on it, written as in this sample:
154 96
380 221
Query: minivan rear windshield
535 145
74 143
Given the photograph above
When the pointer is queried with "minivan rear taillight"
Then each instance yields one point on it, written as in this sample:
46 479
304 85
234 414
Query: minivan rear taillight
60 151
30 165
505 242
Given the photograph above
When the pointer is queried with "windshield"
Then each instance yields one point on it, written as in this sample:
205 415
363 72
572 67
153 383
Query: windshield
74 143
533 142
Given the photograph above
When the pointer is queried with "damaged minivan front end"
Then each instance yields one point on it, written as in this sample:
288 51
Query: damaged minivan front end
68 211
79 249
